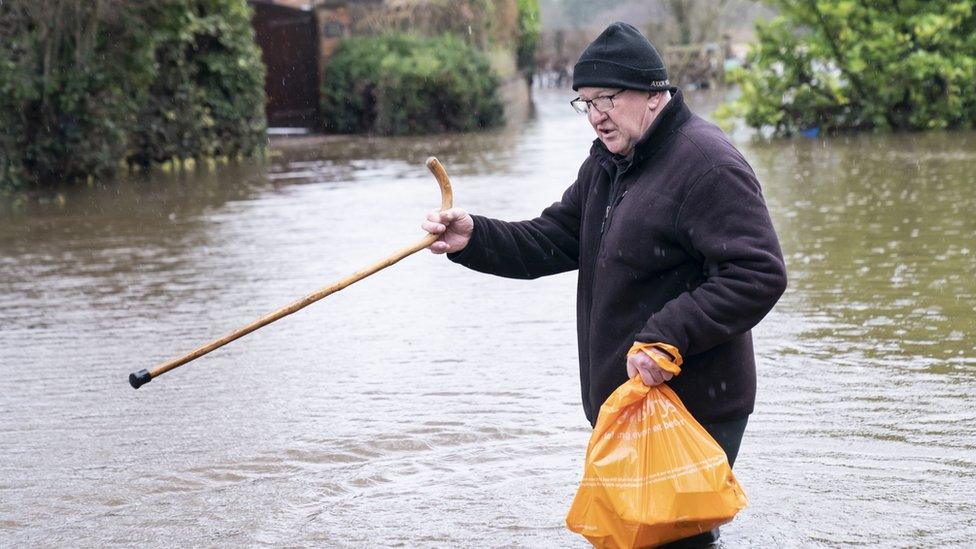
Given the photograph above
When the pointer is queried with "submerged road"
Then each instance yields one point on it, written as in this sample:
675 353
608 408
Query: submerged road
432 406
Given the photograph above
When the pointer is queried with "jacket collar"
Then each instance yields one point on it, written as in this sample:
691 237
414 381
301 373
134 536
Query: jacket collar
672 117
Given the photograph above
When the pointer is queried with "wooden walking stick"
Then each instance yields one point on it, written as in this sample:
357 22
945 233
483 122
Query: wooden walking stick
140 378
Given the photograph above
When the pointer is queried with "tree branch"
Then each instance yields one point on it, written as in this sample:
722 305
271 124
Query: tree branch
832 42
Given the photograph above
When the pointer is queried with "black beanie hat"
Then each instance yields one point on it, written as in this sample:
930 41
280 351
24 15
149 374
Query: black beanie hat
621 58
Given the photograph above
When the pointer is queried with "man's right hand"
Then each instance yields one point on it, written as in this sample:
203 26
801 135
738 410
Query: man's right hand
651 374
454 227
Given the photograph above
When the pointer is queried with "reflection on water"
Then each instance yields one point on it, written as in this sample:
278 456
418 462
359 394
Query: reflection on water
428 405
885 226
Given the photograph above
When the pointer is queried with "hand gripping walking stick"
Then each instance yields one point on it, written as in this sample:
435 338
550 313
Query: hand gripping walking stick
140 378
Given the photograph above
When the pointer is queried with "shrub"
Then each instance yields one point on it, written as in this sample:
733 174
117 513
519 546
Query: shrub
402 84
838 65
71 73
207 96
86 85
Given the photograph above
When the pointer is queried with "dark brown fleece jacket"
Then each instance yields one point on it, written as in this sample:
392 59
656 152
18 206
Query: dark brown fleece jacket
674 246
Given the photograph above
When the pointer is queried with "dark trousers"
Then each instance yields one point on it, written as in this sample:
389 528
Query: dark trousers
728 435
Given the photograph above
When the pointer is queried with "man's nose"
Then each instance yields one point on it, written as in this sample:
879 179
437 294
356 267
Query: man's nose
596 116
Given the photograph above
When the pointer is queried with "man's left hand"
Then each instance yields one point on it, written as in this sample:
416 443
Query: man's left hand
651 374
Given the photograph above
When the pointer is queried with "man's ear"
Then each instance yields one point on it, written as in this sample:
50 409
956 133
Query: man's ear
654 100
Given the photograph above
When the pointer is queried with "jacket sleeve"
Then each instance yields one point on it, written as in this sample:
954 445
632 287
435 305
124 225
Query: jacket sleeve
546 245
723 222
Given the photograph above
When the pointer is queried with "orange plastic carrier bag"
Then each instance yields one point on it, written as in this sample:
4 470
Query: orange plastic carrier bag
652 473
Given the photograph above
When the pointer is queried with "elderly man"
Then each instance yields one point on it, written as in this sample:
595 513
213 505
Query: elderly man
669 231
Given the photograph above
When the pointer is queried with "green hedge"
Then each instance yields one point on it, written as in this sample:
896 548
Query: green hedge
89 85
207 97
838 65
403 84
69 81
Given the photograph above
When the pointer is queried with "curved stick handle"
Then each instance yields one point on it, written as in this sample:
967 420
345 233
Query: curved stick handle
140 378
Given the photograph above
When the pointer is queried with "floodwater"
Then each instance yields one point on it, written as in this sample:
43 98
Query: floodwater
433 406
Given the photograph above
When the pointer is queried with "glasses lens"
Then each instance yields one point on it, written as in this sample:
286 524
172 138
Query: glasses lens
578 105
603 104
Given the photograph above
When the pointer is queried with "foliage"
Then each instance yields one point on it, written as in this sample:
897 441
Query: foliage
403 84
840 65
207 97
84 85
70 77
470 20
506 27
529 26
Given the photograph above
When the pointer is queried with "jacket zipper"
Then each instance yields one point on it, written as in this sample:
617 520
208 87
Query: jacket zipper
607 217
596 258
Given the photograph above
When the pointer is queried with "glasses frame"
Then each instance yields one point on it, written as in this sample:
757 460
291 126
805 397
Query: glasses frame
588 103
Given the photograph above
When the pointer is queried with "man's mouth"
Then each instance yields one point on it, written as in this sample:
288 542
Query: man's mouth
606 133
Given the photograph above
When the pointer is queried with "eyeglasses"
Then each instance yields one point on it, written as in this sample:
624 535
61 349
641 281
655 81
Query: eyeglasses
602 104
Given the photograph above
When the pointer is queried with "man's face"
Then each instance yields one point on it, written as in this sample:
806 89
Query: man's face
620 127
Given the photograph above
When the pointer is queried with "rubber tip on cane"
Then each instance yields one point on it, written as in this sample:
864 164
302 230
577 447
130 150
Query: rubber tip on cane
140 378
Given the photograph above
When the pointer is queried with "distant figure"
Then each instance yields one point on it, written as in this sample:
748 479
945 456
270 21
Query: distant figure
667 226
562 73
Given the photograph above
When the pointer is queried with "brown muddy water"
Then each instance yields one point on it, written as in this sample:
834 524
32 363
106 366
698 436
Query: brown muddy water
433 406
